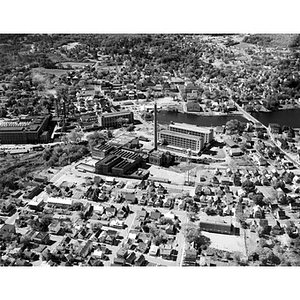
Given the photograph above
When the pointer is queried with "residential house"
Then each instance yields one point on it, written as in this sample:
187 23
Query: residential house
274 128
40 237
295 206
122 252
142 247
7 209
153 251
54 227
166 254
155 215
142 200
140 261
118 261
277 229
111 211
141 215
111 237
190 257
120 224
280 215
170 229
122 213
130 258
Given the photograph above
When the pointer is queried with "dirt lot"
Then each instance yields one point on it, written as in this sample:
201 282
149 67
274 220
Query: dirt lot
226 242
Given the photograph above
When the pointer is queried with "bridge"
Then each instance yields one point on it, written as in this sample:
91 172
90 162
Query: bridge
249 117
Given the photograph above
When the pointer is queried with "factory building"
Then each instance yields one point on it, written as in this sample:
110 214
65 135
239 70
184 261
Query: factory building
108 120
101 151
206 133
181 141
25 131
122 162
159 158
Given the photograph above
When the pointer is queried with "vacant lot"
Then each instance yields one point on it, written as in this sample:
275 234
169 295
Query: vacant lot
225 242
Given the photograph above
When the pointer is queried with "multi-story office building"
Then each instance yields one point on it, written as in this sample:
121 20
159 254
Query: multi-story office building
113 119
27 131
182 141
206 133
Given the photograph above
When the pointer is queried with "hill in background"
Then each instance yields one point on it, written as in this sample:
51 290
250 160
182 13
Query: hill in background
274 40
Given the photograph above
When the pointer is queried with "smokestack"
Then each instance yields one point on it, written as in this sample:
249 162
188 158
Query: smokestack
155 125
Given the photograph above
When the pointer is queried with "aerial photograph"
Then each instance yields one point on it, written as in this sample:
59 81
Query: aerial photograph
177 150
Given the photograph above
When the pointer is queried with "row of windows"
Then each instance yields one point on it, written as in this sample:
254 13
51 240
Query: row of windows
185 131
181 142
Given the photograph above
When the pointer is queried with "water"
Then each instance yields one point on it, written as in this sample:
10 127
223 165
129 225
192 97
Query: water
165 117
289 117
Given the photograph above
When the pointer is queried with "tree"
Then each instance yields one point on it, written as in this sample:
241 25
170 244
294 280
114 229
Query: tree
95 138
130 127
258 199
234 126
109 134
267 257
248 186
192 234
164 221
3 113
75 136
76 206
158 236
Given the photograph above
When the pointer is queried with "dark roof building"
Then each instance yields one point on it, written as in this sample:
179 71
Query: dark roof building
221 228
28 131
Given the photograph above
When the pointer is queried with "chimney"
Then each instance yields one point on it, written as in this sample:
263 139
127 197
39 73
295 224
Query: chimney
155 125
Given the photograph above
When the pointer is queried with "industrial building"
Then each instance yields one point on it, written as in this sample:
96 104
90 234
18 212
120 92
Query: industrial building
181 136
206 133
125 141
182 141
101 151
25 131
159 158
112 119
122 162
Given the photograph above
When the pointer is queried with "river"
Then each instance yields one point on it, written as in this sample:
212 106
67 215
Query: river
289 117
165 117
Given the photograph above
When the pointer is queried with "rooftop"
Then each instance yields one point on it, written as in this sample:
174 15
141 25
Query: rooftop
117 113
191 127
182 135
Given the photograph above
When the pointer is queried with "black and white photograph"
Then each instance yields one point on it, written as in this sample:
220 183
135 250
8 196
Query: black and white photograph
149 146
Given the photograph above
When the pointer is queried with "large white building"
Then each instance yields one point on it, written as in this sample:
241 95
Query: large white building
186 136
206 133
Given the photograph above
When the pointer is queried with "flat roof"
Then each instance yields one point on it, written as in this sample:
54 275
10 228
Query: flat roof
15 128
103 147
191 127
123 139
59 201
116 113
182 135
